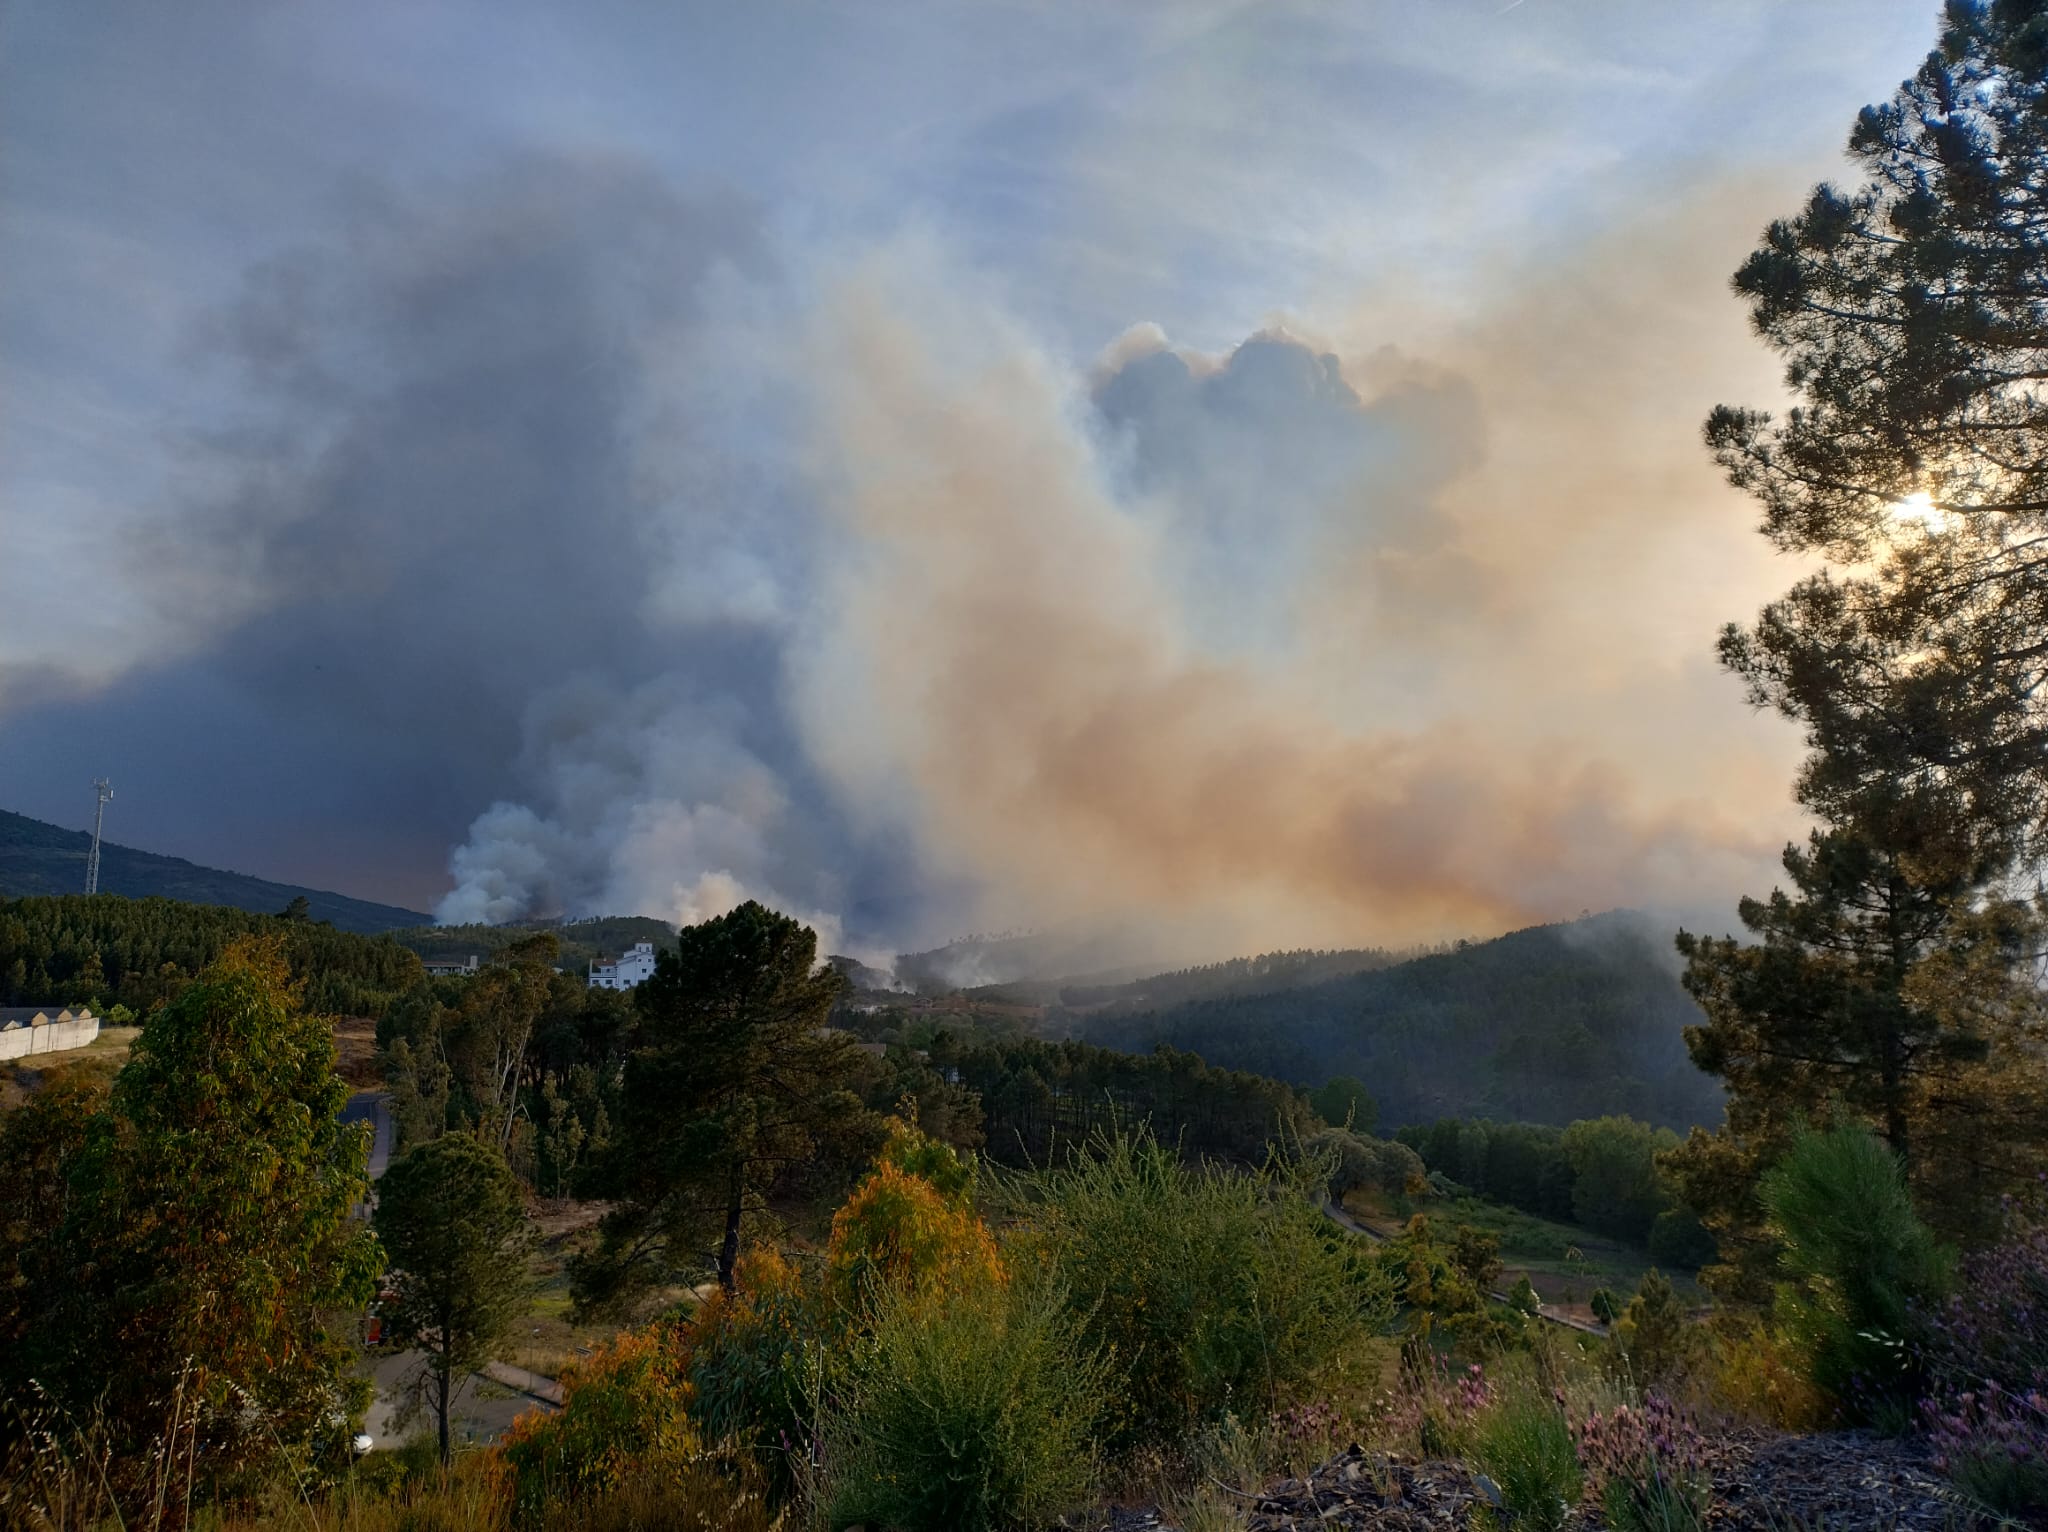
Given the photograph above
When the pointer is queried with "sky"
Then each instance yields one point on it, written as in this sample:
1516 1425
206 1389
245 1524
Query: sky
1229 468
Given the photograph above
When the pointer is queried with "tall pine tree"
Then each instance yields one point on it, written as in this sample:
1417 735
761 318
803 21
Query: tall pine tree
1894 985
737 1084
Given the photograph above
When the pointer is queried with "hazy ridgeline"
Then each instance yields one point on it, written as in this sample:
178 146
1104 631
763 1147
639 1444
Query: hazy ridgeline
1545 1025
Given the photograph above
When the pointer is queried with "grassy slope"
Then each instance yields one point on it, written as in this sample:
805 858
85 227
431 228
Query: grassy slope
39 858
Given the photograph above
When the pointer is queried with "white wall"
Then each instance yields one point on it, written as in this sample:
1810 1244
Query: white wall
22 1042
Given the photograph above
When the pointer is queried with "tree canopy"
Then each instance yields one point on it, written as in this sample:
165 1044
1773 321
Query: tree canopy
206 1242
736 1084
1892 985
453 1222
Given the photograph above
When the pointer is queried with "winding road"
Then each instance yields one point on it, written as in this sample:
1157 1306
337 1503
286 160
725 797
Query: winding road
373 1107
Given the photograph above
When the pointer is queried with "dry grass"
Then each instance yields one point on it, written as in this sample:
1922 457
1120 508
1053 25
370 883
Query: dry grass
98 1062
355 1049
548 1339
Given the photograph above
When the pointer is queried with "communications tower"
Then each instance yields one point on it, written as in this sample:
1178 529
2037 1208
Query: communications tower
92 861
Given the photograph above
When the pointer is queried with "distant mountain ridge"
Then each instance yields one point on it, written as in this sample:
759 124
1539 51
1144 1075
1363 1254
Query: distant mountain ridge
39 858
1542 1025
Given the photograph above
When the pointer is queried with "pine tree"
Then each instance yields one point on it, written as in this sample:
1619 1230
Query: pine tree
453 1223
737 1083
1912 312
1892 986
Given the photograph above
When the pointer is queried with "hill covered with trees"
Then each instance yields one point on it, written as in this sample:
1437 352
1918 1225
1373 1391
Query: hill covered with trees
108 950
580 942
1544 1025
39 858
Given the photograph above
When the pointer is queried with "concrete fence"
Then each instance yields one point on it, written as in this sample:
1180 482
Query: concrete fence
25 1033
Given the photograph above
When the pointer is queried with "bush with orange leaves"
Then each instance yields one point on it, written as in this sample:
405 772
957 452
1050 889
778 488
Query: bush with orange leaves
898 1234
625 1412
747 1370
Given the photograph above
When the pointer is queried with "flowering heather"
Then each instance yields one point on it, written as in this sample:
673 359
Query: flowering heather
1986 1350
1995 1328
1433 1408
1994 1444
1648 1465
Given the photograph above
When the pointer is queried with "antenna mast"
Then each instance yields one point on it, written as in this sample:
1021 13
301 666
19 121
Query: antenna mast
92 861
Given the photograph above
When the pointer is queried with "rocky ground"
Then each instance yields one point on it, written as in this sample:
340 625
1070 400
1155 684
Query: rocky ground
1835 1482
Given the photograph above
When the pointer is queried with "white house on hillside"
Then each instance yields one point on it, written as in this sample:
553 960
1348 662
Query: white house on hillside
628 971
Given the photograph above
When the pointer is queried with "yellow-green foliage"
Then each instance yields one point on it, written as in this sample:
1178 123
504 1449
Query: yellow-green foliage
897 1232
1206 1288
625 1415
968 1408
1757 1374
932 1161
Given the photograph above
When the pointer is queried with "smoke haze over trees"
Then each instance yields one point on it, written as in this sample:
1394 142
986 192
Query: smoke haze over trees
659 535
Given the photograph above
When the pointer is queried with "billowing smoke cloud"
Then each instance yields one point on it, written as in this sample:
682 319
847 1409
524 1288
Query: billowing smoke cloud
1053 674
582 528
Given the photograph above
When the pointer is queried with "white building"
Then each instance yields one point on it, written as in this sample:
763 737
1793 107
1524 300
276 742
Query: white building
627 971
450 968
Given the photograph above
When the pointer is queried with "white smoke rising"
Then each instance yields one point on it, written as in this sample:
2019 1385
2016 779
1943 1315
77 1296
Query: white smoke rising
652 807
1222 643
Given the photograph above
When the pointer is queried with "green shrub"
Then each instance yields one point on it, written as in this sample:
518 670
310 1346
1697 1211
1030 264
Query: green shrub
1678 1239
1654 1334
1857 1261
1524 1444
973 1410
1206 1289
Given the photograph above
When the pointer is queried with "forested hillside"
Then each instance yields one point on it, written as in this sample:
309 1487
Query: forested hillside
1268 973
39 858
110 950
1544 1025
1039 1098
581 941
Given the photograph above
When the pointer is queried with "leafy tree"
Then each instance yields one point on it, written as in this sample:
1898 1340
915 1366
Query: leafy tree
1653 1333
299 909
209 1244
1345 1103
40 1141
1616 1186
454 1226
736 1084
487 1038
1476 1253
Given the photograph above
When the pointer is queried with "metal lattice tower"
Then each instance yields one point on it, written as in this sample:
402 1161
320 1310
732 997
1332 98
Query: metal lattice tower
92 861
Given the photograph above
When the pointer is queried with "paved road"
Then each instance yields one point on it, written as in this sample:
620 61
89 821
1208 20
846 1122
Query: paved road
374 1107
532 1384
479 1410
1344 1220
